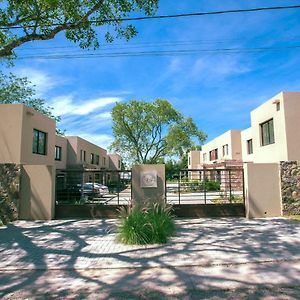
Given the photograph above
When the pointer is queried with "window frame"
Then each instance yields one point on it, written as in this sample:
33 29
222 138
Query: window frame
92 159
267 137
39 151
58 150
213 154
249 146
225 150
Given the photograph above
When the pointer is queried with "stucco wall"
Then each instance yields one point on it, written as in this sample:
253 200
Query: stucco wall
144 196
9 192
76 144
114 161
245 136
292 124
232 138
37 193
262 190
194 159
17 122
277 151
35 120
61 142
11 118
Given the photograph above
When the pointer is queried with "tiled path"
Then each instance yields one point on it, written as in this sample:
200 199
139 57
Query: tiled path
80 257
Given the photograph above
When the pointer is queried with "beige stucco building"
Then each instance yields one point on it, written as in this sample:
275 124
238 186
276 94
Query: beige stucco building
28 138
273 136
224 150
270 139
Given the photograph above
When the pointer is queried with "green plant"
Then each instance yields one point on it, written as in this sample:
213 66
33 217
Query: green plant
152 225
224 198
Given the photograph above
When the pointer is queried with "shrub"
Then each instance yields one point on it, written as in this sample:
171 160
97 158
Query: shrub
152 225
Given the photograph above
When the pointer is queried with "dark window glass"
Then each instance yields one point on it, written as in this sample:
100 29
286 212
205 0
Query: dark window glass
213 154
39 142
225 149
249 146
92 158
267 133
97 160
57 153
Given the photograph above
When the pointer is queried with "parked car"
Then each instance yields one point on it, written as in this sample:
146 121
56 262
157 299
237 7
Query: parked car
102 189
78 192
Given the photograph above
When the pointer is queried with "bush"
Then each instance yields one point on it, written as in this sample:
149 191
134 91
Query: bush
152 225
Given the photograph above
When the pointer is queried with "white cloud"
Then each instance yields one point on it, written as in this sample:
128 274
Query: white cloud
43 81
66 105
218 66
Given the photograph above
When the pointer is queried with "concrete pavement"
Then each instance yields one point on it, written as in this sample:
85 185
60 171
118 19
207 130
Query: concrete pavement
208 258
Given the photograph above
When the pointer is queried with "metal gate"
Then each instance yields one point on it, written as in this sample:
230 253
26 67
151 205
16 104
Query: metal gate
105 187
206 186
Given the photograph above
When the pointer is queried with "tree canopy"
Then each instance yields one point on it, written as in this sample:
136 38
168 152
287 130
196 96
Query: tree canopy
30 20
146 132
20 90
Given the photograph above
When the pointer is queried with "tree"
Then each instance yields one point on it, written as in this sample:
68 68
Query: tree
19 90
30 20
147 132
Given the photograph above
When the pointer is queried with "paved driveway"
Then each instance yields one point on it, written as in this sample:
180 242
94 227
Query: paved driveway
82 257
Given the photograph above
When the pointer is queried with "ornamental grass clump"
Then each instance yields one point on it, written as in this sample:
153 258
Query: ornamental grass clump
152 225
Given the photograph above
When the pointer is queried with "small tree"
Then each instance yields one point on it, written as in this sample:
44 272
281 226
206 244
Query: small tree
32 20
19 90
147 132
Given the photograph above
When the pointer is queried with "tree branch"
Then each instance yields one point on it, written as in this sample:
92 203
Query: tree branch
7 49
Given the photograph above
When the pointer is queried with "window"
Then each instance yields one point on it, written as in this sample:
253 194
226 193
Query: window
104 161
213 154
119 164
204 157
189 161
92 158
278 106
82 155
57 153
267 133
97 160
39 143
225 149
249 146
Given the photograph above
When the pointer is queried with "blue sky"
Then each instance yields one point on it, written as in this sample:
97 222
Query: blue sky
217 90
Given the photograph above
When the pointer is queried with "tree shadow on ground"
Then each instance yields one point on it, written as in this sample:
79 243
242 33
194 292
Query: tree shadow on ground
207 257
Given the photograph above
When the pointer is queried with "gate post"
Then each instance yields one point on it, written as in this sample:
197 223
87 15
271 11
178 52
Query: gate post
148 184
262 189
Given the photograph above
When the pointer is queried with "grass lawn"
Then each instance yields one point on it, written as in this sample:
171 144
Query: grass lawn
294 217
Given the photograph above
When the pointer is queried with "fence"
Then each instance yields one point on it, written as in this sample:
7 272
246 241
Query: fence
108 187
207 186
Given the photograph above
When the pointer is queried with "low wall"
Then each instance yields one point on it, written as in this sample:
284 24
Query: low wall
98 211
290 187
209 210
88 211
9 192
